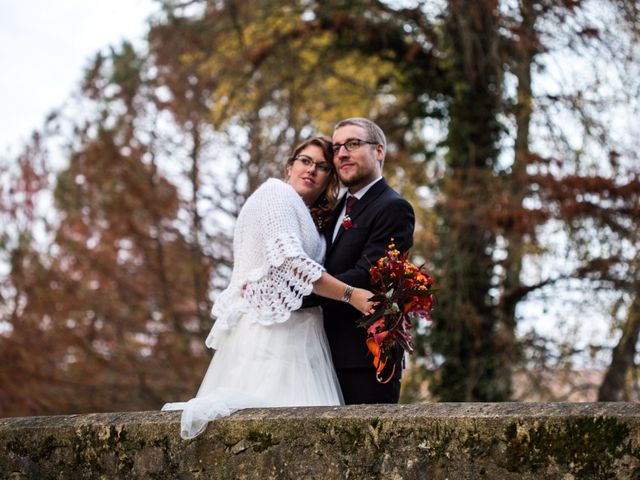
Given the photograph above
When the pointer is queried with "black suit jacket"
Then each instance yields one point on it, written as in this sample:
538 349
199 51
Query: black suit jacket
380 215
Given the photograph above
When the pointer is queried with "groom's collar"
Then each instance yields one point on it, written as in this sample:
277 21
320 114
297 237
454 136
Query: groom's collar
360 193
373 191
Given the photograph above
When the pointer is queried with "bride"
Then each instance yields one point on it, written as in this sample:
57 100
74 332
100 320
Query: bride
268 351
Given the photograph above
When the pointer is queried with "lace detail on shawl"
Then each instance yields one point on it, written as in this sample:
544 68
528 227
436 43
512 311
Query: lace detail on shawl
272 291
275 231
277 288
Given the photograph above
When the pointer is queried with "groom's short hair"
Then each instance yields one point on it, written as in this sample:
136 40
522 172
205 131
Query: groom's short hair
374 132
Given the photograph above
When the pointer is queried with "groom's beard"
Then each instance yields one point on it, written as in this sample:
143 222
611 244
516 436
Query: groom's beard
356 179
363 175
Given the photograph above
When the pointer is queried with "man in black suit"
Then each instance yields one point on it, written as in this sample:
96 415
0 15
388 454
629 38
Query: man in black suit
355 240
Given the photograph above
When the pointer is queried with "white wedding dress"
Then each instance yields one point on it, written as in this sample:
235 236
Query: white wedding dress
267 352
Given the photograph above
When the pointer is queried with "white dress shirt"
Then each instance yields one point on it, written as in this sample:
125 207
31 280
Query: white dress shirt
359 194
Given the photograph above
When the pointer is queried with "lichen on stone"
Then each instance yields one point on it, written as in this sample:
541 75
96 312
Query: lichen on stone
261 440
589 446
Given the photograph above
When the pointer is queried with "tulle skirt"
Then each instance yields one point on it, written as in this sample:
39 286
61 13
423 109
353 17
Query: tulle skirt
285 364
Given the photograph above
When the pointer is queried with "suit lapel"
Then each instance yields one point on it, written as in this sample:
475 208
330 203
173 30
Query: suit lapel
374 192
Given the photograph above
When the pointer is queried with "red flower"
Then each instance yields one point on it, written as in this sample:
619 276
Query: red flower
347 223
404 294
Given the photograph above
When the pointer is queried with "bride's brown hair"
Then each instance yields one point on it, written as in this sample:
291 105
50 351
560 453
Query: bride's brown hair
322 209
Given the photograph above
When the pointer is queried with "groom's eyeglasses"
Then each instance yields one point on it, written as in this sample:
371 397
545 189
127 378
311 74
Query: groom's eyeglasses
351 145
322 167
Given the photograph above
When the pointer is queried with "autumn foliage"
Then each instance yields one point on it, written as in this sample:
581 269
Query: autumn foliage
117 217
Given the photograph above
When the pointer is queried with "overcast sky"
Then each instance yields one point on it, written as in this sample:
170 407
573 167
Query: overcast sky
45 46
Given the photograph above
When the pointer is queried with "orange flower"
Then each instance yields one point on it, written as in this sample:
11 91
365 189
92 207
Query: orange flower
410 305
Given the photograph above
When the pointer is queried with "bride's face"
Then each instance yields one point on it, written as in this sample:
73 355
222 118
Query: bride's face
309 174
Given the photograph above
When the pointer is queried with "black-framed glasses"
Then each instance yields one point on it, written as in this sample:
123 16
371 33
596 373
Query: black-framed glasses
323 167
351 145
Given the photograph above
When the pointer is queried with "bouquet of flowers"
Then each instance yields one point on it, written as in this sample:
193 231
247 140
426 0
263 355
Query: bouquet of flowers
404 294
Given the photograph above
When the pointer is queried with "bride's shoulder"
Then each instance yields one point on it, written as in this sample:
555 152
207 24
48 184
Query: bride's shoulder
276 184
274 189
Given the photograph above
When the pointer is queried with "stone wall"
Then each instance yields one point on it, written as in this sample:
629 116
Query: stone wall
419 441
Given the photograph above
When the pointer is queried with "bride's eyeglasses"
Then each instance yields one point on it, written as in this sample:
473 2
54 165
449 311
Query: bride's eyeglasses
323 167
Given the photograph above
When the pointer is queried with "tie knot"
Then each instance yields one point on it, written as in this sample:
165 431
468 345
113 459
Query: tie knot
351 201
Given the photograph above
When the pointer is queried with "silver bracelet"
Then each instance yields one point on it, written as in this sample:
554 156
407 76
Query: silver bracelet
346 296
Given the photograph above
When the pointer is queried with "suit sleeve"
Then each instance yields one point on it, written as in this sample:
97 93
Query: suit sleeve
396 221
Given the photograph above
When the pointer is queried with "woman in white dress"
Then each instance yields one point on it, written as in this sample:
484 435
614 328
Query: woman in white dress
268 351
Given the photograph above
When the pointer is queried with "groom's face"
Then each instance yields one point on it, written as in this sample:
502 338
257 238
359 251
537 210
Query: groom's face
360 166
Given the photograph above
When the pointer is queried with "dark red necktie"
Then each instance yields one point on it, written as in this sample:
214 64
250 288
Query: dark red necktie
351 201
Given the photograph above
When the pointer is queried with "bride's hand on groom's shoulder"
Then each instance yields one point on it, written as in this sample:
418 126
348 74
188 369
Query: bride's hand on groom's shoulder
360 300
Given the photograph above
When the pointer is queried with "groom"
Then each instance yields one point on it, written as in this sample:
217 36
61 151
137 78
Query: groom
359 233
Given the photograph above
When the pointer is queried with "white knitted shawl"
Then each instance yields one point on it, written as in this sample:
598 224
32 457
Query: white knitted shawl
277 254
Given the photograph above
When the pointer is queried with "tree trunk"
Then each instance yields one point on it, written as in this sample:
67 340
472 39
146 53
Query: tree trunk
464 329
612 388
514 228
